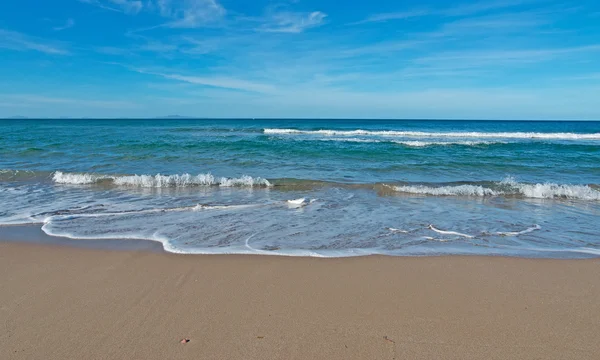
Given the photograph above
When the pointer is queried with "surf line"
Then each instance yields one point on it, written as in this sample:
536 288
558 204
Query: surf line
431 227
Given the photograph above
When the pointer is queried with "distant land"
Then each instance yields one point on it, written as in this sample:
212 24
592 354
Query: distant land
175 117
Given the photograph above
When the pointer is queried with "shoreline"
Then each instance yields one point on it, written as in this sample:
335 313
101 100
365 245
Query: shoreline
33 234
66 302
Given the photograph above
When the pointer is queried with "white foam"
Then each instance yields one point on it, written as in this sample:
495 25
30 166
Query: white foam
201 207
160 181
431 227
517 233
551 190
398 231
356 140
458 190
509 187
76 179
417 143
423 134
245 181
298 203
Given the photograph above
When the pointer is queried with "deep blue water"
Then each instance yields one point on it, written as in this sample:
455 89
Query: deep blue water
369 186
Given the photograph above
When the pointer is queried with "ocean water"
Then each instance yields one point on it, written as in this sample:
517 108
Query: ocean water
326 188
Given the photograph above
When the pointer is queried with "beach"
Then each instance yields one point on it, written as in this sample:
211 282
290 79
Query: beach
61 302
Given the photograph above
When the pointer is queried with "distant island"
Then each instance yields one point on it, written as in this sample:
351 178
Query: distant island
174 117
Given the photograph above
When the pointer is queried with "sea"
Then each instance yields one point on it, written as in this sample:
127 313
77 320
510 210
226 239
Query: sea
319 188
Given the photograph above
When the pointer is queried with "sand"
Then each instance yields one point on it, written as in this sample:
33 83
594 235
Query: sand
60 302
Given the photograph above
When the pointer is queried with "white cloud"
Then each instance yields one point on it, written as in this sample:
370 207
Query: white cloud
190 13
129 6
455 11
69 24
216 81
515 22
123 6
403 15
483 6
499 57
20 42
292 22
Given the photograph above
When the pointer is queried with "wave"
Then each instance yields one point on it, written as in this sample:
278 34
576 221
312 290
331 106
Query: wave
423 134
447 143
417 143
517 233
159 181
446 232
20 175
507 187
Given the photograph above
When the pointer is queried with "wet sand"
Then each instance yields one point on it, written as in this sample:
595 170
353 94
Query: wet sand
60 302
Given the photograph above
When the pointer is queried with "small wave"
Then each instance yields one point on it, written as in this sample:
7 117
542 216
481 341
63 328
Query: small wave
423 134
507 187
159 181
298 203
517 233
458 190
15 175
445 232
416 143
77 179
354 140
394 230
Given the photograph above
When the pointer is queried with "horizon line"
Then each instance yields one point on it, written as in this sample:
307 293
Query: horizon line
172 117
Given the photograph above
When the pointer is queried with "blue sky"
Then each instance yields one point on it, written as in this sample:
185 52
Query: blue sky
495 59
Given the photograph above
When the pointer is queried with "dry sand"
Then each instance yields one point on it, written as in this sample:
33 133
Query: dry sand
67 303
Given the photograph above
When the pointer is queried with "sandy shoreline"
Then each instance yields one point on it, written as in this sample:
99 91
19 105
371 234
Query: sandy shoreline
61 302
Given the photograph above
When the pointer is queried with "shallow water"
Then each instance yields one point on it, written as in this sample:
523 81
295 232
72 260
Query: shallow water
311 188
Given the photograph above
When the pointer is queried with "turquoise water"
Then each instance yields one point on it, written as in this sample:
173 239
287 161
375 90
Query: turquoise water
309 187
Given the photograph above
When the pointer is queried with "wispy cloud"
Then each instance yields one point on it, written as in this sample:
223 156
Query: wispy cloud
123 6
292 22
129 6
455 11
402 15
496 57
380 48
483 6
501 24
20 42
190 13
215 81
69 24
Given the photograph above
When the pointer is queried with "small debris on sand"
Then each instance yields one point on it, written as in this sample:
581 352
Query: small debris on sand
388 339
184 341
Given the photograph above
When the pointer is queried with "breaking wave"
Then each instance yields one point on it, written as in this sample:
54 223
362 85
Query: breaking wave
159 181
507 187
423 134
417 143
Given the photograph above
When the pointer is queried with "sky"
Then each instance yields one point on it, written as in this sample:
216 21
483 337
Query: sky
495 59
